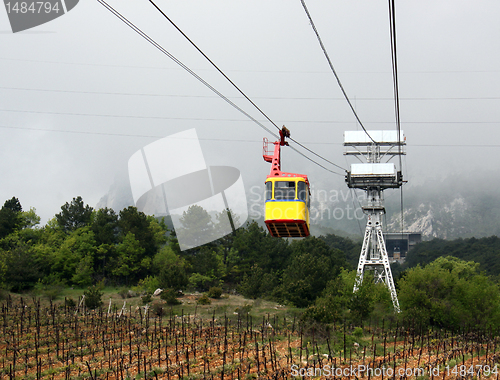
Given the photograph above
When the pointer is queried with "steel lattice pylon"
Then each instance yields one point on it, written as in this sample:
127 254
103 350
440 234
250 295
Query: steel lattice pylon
374 255
374 177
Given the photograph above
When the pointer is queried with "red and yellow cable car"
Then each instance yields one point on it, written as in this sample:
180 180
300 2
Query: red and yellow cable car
287 195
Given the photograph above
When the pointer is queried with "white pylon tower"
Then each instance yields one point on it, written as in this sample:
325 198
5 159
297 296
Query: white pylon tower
374 176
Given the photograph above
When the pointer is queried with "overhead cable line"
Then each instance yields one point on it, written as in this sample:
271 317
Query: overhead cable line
232 140
241 92
392 23
251 71
232 120
309 150
173 58
317 163
168 54
235 97
333 69
214 65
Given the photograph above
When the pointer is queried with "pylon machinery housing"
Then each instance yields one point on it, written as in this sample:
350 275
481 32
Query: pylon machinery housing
374 176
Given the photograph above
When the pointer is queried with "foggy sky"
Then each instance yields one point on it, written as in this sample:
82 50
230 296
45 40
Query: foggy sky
81 94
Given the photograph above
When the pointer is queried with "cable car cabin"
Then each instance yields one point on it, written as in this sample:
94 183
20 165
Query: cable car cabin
287 206
287 194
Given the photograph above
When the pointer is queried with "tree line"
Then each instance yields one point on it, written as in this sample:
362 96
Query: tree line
82 246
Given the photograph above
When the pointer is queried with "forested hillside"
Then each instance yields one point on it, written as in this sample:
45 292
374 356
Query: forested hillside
485 251
81 247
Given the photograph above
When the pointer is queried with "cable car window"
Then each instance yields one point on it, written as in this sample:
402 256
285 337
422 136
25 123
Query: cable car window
301 187
308 198
284 190
268 194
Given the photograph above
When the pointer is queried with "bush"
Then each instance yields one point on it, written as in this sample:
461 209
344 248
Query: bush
157 309
215 292
204 300
148 284
146 298
170 297
200 282
70 303
50 290
4 294
358 332
93 297
123 293
449 293
243 310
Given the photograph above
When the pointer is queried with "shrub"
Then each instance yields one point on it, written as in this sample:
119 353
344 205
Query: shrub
358 332
49 290
204 300
157 309
123 293
148 284
199 282
93 297
70 303
146 298
243 310
170 297
4 294
215 292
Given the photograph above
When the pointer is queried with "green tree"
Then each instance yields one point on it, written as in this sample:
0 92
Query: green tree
137 223
73 261
10 216
13 204
131 261
350 248
251 285
252 245
338 302
197 227
449 292
93 297
29 219
84 274
333 305
483 251
171 269
208 264
104 224
19 266
311 266
257 283
74 215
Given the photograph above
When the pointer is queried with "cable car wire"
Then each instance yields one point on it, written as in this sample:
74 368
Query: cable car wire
306 148
392 23
173 58
242 93
213 89
317 163
214 65
333 69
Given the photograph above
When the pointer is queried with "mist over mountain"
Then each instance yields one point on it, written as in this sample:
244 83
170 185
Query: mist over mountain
458 206
448 208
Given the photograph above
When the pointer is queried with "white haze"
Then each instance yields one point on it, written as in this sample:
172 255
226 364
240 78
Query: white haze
81 94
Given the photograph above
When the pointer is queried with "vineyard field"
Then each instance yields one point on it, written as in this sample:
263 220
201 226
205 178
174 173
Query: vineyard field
54 341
